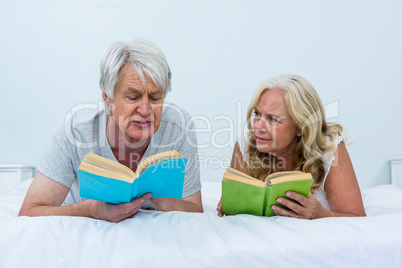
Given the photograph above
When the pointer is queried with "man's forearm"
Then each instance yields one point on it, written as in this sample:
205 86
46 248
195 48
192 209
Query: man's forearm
172 204
90 208
81 209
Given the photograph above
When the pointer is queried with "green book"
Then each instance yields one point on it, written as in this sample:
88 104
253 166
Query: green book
105 180
243 194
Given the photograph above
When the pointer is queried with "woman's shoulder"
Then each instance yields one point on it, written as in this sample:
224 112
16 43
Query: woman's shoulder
329 155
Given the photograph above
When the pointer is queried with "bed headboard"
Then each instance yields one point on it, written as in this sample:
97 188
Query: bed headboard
396 172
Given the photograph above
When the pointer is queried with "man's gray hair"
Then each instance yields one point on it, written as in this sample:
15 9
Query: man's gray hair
145 57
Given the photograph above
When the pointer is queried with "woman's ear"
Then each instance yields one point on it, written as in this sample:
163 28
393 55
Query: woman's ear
299 133
106 99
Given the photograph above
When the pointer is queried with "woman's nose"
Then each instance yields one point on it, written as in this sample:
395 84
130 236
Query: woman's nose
261 124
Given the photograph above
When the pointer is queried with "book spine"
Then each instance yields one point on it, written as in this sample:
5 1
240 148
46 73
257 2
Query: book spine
269 201
134 189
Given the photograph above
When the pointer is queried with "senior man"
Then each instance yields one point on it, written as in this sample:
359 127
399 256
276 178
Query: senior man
134 124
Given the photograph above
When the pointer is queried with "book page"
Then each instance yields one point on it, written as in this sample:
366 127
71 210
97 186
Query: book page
281 174
288 176
235 175
239 173
105 167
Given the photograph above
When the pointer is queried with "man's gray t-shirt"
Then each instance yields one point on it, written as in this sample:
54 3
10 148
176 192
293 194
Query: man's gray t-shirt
84 130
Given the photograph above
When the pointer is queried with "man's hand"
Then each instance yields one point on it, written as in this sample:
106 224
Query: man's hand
116 213
45 197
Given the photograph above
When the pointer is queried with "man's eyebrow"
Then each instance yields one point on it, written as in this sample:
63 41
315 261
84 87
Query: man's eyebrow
134 90
157 91
138 91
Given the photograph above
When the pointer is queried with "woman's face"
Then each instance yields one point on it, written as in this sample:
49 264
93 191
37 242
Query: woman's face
273 127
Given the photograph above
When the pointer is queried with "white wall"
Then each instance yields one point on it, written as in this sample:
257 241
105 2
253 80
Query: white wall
219 51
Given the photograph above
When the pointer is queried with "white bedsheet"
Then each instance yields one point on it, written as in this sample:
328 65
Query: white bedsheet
178 239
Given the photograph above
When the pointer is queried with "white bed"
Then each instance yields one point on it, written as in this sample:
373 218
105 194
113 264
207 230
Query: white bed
177 239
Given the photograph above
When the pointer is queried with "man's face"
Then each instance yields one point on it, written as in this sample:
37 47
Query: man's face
135 109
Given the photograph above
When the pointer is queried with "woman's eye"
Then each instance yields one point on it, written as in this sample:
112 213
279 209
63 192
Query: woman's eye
273 119
256 114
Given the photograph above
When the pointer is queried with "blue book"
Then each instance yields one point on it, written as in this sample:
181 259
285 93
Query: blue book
105 180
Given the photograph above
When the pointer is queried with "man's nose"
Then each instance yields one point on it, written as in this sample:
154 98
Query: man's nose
144 106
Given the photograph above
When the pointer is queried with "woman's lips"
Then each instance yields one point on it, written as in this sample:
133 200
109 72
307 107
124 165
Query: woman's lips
262 139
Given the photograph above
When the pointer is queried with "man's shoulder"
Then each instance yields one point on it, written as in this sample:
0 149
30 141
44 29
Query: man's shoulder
175 116
85 115
176 132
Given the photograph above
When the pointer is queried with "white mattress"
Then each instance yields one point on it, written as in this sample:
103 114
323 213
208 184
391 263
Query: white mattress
179 239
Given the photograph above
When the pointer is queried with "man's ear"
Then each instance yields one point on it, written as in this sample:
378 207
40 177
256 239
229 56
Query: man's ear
106 99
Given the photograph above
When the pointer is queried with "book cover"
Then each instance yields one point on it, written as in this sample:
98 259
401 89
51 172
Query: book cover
243 194
105 180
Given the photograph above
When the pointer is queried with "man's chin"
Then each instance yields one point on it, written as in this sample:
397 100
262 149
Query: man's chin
139 136
134 134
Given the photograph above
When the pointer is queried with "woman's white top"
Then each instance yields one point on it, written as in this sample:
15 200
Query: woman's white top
328 158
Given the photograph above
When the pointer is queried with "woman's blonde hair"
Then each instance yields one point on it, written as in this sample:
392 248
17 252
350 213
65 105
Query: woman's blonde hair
305 107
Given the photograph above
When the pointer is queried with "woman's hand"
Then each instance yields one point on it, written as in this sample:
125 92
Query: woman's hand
304 208
219 208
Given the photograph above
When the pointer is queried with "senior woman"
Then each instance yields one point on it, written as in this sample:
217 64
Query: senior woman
288 131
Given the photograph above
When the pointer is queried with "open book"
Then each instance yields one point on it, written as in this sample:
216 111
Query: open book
105 180
243 194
